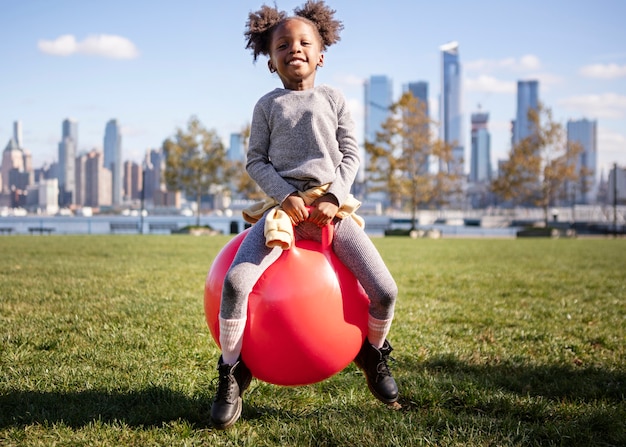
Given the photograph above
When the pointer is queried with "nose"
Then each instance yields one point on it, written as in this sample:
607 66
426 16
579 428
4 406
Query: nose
295 48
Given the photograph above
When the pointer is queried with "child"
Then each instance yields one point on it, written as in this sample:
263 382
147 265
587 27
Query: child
302 151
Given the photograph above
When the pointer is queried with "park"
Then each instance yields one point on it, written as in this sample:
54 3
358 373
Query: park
510 342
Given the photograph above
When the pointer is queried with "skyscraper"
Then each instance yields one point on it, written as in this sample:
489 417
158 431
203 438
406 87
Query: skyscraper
527 99
584 132
113 158
451 118
378 98
236 149
17 133
480 160
67 158
419 90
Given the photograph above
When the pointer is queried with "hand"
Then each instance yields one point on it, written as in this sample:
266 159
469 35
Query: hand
324 210
295 208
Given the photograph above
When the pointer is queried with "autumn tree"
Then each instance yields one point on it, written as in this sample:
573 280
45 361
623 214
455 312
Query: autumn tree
400 158
195 161
242 181
540 165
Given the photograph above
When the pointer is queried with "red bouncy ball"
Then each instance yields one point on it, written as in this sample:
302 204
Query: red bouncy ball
307 314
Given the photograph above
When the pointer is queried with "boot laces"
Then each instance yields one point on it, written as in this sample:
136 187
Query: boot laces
226 387
382 369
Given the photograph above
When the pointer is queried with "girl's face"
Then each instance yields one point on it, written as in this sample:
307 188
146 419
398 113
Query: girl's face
295 54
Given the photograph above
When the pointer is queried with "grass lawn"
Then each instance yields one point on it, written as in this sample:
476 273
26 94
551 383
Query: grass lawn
497 343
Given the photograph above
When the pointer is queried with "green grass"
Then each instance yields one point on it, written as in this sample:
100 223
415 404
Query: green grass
497 343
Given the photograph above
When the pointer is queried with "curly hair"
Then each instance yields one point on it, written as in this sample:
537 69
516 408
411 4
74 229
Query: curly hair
262 23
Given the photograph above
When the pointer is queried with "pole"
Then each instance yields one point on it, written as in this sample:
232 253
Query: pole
143 196
615 200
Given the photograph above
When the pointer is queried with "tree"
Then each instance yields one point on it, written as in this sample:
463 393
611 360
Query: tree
540 165
244 183
195 161
400 158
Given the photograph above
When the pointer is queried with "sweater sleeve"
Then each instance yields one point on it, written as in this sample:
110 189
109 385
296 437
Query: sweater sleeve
258 164
347 169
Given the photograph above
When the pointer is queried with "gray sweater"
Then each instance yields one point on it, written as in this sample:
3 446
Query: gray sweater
302 139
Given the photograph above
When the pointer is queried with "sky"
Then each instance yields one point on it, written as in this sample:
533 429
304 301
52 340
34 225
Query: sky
152 65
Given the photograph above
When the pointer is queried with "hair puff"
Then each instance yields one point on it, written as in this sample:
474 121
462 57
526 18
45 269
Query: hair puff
262 23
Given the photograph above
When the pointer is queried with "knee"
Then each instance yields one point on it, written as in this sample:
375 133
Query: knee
382 305
388 295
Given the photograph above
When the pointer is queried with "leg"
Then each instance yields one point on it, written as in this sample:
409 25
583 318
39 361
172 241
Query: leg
251 260
356 250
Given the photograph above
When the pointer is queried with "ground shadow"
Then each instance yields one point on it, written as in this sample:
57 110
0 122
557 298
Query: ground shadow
149 407
547 404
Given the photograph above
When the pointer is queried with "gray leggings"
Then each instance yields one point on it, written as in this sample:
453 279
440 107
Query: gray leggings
351 245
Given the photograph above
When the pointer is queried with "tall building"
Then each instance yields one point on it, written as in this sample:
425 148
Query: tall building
17 133
113 158
584 132
66 165
451 118
133 178
81 179
480 159
98 188
154 171
378 98
419 90
236 149
527 99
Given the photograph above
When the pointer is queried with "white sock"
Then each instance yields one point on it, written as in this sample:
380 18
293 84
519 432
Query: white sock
378 330
231 339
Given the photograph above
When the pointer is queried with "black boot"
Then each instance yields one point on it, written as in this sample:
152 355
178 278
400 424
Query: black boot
373 362
233 381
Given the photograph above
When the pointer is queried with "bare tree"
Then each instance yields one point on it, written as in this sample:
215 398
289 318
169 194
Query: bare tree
540 165
400 158
195 161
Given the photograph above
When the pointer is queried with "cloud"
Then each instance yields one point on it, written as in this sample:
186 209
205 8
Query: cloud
525 63
489 84
603 71
103 45
349 80
610 149
607 105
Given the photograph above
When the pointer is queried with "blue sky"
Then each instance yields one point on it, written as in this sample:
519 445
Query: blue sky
154 64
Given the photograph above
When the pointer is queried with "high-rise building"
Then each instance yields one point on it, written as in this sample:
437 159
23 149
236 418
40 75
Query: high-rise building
527 99
378 98
81 178
235 149
113 158
480 160
451 118
133 178
17 133
419 90
67 158
584 132
98 188
153 181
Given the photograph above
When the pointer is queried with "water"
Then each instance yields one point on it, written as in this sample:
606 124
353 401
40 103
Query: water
374 225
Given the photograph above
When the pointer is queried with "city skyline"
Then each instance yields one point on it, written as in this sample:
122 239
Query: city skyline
152 68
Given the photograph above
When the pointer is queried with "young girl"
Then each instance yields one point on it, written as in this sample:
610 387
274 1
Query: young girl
302 151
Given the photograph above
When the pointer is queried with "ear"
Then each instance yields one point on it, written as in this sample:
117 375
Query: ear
271 66
320 62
